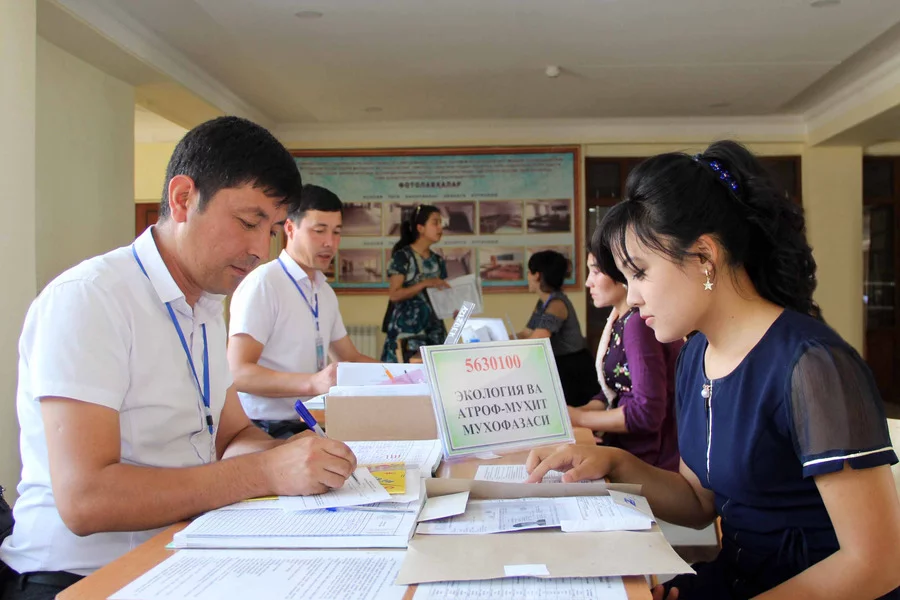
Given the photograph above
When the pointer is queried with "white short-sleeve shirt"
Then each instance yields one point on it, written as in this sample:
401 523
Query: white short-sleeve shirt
268 308
101 333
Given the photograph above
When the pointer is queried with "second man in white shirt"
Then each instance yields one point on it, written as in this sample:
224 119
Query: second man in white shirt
285 320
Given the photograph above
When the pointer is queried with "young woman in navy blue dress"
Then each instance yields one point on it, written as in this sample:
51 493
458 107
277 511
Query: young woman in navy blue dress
781 428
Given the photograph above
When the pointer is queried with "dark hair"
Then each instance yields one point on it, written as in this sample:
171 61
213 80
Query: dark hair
673 199
314 197
409 232
551 266
595 249
229 152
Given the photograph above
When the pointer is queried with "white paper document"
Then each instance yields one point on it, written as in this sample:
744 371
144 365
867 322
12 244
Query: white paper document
512 474
277 528
424 455
497 516
316 402
365 489
441 507
410 389
358 374
616 512
275 575
624 512
574 588
462 289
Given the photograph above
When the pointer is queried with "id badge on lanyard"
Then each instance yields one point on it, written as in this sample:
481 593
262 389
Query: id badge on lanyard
314 309
320 349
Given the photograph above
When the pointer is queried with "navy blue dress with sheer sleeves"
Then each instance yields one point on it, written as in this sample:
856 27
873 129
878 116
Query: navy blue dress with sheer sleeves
802 403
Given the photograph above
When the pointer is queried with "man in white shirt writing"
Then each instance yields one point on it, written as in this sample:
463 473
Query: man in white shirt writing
129 418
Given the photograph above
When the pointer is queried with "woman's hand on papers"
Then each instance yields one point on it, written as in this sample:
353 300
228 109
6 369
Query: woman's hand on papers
305 465
578 463
437 282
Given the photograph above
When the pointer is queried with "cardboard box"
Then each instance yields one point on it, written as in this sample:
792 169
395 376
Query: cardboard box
547 552
379 418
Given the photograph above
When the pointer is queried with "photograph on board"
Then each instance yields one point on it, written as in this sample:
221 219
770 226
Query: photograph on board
394 214
500 216
362 218
360 266
458 217
548 216
502 263
459 261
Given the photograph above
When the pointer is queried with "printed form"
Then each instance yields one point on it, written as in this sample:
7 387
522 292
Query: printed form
578 513
575 588
365 490
512 474
276 528
282 574
424 455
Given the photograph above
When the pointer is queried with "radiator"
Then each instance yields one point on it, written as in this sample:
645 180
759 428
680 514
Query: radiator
366 338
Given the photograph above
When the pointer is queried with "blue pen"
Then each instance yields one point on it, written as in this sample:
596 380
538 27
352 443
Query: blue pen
312 423
308 418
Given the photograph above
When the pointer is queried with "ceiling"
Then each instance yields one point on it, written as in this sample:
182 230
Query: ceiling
396 60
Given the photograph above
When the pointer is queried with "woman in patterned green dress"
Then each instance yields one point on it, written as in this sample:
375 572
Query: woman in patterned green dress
413 268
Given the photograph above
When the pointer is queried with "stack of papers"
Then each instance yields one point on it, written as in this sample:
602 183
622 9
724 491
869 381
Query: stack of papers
375 379
512 474
365 374
573 588
406 389
363 488
283 575
424 455
615 512
361 514
274 528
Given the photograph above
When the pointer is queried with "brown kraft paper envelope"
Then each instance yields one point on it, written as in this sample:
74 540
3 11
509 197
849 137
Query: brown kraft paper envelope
593 554
380 418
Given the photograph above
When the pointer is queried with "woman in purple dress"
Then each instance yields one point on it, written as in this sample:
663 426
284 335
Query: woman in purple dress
635 409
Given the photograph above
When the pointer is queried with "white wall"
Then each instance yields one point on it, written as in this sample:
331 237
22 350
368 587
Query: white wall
85 161
17 227
67 166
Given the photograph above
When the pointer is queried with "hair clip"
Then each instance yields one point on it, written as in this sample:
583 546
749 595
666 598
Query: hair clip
721 173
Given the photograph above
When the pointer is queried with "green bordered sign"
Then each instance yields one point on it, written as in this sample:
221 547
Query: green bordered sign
496 396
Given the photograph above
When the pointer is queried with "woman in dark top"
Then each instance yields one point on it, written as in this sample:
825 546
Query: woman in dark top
413 268
554 317
635 409
781 429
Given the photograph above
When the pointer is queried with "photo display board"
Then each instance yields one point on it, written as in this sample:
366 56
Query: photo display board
499 206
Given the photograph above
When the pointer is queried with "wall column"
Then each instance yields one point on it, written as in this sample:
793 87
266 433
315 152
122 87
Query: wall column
18 41
832 199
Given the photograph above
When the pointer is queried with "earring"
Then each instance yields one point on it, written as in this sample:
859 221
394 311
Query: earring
708 286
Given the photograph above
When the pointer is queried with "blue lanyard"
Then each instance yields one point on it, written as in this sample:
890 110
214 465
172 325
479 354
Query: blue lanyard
314 311
204 391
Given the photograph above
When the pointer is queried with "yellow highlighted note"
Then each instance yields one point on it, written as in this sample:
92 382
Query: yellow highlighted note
391 476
